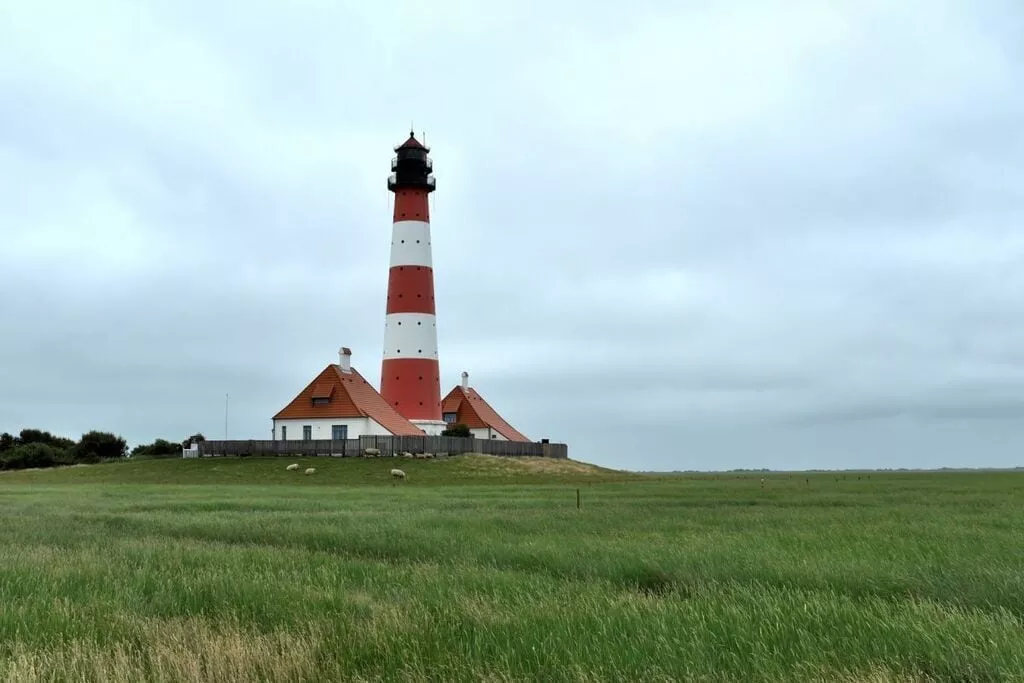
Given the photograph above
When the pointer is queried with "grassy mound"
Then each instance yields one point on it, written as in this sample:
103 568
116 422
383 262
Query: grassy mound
463 469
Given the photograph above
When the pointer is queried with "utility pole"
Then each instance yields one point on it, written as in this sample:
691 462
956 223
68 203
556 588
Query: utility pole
225 417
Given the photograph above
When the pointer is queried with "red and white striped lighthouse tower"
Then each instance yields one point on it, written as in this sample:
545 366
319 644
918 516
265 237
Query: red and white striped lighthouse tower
410 374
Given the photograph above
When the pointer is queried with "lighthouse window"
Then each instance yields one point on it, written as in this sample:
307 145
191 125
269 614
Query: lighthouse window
419 323
420 351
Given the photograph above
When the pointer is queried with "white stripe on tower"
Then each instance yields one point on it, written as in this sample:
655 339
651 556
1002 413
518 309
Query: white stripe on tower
410 244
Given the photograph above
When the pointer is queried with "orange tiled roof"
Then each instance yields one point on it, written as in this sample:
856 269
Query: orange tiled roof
351 396
473 411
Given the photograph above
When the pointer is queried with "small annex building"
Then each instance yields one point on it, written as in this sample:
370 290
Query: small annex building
464 405
340 404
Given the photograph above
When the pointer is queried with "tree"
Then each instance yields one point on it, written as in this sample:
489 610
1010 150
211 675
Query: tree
7 442
195 438
95 446
28 436
457 429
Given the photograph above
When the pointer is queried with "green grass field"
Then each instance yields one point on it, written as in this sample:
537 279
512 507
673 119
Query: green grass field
484 569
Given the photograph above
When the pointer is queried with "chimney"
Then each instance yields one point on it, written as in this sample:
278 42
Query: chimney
465 381
345 359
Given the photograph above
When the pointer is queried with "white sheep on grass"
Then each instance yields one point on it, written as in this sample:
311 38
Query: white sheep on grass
310 470
398 474
294 466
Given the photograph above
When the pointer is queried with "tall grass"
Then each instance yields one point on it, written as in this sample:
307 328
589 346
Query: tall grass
900 577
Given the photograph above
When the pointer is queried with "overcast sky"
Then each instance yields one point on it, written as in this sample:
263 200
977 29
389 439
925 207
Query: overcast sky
675 235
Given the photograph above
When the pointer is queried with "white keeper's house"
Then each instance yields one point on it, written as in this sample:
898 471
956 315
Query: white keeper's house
340 404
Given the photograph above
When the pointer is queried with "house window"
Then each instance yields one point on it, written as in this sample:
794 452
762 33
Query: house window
450 417
307 432
321 401
284 433
339 432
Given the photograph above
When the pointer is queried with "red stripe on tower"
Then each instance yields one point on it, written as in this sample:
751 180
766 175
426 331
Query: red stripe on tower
410 374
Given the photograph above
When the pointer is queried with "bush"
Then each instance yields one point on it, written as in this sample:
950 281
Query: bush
457 429
33 454
161 448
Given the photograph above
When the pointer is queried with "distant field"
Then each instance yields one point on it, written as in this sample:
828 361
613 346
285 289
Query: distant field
483 569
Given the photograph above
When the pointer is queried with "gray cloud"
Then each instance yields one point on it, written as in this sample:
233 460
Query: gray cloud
773 234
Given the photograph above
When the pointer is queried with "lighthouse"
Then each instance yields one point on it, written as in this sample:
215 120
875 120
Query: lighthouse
410 379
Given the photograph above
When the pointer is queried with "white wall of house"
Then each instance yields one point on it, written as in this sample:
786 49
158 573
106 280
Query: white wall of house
321 428
487 433
430 427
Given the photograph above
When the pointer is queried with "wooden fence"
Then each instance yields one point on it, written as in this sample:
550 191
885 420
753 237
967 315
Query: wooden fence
389 446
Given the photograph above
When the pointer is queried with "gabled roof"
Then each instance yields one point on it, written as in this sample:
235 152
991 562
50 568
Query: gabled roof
473 411
351 396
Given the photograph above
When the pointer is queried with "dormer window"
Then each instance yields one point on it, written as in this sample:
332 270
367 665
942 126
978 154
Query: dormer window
322 394
450 418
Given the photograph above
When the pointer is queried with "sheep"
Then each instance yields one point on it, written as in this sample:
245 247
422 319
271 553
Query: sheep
294 466
407 454
371 452
310 470
398 474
